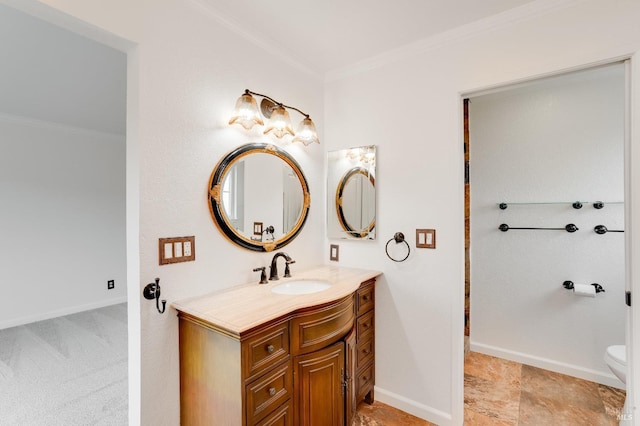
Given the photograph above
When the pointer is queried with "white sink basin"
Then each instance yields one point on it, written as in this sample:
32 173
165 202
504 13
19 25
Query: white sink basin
301 287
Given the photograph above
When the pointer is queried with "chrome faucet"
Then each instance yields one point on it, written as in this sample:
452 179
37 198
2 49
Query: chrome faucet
273 270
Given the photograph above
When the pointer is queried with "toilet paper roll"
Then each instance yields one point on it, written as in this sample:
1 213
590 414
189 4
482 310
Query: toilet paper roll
584 290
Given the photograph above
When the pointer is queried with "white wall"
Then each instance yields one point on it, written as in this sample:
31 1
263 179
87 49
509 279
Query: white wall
63 219
62 149
191 73
411 102
558 140
190 69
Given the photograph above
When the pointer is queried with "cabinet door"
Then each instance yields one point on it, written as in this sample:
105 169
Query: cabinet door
317 382
349 377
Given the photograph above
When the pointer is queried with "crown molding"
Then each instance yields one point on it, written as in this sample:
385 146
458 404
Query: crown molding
501 20
263 42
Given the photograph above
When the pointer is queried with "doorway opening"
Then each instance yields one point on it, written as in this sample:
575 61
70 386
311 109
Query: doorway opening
63 112
533 152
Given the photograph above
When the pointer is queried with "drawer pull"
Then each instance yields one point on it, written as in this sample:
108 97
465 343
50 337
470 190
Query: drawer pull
272 391
270 349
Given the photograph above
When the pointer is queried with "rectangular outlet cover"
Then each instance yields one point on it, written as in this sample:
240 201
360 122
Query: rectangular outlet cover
176 249
334 252
111 284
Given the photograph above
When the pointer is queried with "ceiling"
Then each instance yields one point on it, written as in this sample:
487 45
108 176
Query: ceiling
326 35
51 74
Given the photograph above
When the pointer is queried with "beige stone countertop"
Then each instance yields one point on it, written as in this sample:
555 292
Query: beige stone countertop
237 309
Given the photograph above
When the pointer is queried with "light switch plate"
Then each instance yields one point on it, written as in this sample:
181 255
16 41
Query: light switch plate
426 238
176 249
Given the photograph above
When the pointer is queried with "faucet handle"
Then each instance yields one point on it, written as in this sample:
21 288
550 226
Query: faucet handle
287 271
263 275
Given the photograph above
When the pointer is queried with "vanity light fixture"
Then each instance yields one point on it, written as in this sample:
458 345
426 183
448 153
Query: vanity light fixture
247 115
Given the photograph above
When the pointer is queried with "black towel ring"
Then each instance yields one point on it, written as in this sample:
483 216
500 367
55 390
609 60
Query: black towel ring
398 237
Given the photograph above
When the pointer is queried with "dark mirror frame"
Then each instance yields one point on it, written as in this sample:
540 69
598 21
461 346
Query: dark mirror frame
218 212
339 193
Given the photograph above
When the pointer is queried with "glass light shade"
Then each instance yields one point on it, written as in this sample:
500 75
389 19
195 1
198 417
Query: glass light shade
279 123
246 112
306 133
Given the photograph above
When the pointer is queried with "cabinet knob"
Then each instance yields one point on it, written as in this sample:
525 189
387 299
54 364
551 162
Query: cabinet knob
365 379
272 391
366 325
365 297
365 351
270 349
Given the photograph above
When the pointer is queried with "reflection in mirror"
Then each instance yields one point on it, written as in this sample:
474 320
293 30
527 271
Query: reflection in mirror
259 197
351 179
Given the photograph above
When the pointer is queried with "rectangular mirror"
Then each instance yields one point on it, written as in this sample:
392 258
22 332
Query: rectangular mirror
351 193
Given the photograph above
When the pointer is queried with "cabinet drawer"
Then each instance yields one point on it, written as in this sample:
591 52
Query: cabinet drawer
322 326
365 325
365 350
268 392
365 381
365 298
265 349
283 416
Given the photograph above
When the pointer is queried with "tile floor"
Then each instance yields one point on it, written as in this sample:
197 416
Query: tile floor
498 392
379 414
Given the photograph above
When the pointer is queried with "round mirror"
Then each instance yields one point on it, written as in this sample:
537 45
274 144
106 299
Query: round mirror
355 203
259 197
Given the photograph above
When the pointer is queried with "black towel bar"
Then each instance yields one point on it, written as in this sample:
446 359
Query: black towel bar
569 228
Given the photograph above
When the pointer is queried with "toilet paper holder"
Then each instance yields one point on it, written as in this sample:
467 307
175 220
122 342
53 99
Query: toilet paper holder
569 286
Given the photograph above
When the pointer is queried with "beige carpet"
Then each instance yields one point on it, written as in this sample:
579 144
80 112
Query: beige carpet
66 371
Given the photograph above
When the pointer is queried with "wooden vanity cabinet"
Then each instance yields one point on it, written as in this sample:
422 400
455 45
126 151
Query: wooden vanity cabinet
365 342
309 367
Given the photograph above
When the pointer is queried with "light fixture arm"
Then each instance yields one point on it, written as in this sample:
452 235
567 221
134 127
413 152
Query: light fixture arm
249 92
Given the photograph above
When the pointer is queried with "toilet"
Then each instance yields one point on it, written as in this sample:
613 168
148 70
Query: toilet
616 359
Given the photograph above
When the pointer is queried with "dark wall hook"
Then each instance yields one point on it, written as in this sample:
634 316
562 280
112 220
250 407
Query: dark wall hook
152 291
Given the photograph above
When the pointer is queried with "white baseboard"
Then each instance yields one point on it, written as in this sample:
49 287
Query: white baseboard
412 407
604 378
60 312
